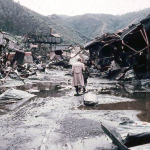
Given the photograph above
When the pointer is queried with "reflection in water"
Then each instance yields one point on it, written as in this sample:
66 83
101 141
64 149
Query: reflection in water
140 98
44 89
141 101
145 114
148 106
40 89
137 105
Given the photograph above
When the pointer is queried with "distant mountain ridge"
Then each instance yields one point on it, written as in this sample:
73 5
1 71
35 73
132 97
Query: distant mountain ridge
92 25
19 20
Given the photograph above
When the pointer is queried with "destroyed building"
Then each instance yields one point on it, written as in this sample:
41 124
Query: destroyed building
47 47
9 47
22 56
42 43
127 48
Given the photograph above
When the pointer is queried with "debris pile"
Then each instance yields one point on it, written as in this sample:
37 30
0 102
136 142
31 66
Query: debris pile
20 57
116 53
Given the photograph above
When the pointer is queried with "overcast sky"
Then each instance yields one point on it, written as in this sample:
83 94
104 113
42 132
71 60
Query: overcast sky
79 7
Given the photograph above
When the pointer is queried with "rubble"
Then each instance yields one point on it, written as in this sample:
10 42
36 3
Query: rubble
128 47
122 56
15 94
90 99
129 134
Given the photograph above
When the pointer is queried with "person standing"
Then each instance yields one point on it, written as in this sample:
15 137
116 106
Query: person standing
85 75
77 72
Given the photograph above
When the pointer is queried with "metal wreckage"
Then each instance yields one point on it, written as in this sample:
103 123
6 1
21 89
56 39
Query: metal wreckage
13 57
116 55
20 57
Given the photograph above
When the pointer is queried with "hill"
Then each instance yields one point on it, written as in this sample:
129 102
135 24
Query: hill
92 25
19 20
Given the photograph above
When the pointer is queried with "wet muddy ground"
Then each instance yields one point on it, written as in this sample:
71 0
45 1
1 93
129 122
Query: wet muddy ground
57 120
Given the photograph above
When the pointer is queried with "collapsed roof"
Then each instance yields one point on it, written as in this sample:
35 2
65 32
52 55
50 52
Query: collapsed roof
128 47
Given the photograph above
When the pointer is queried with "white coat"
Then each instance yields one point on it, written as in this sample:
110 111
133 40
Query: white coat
77 71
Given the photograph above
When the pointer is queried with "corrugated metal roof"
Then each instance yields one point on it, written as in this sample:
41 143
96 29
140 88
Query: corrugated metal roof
130 29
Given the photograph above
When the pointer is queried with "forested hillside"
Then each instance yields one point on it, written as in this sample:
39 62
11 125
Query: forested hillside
19 20
92 25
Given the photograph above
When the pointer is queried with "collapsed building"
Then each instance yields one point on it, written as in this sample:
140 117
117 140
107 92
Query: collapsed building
22 56
121 51
48 47
11 51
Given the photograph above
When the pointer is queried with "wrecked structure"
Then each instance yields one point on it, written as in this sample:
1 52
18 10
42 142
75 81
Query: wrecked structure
11 52
22 56
47 47
41 44
126 49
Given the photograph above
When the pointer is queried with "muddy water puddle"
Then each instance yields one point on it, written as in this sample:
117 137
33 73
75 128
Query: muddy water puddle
110 95
41 89
121 97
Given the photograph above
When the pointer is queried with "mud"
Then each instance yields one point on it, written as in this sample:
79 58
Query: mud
56 119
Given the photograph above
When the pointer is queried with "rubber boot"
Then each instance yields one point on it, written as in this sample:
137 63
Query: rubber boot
77 91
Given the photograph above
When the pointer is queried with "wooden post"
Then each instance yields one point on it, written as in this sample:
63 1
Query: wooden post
148 52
